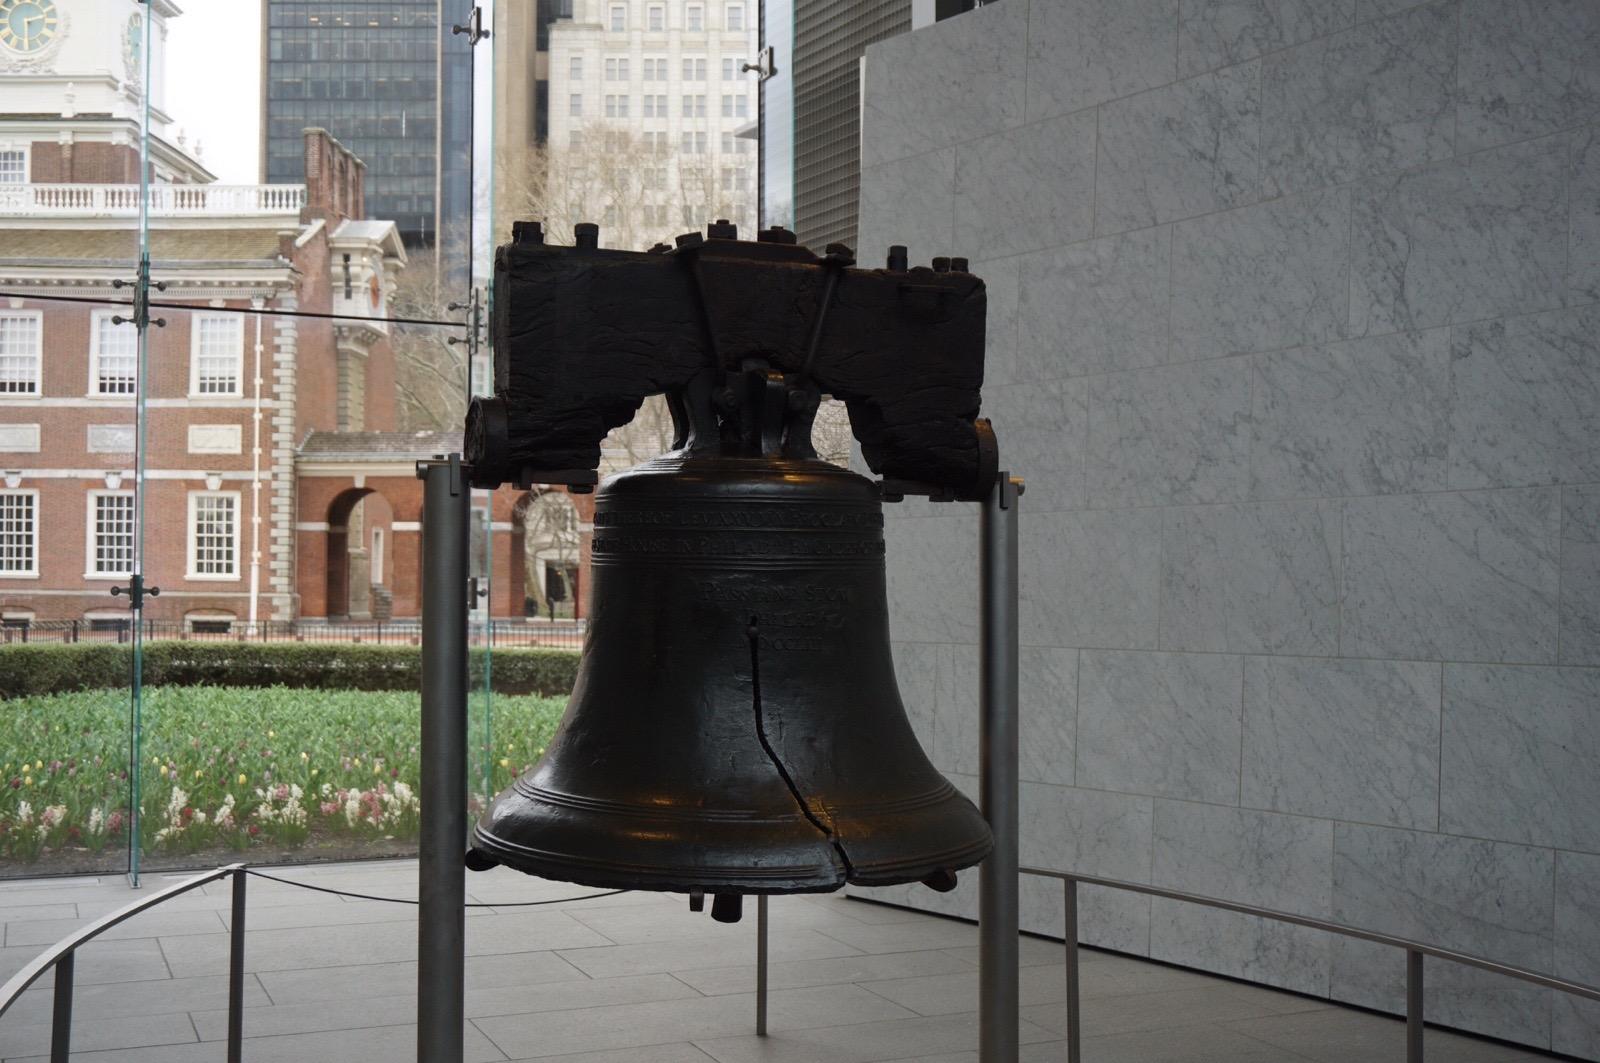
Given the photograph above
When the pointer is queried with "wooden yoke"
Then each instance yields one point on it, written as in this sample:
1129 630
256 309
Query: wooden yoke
582 336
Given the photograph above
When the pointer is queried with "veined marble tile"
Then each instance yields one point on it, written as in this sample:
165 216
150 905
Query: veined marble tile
1367 10
1090 578
1175 152
1520 754
1525 400
1373 99
911 203
1256 578
1002 281
1173 434
1159 723
1092 833
1527 68
1086 831
1470 238
1577 1022
1465 577
1363 417
950 82
924 603
1043 428
1290 957
1048 705
1580 575
1084 52
1213 33
916 673
1279 862
1583 266
1486 898
1026 189
1343 739
1262 277
957 724
1095 306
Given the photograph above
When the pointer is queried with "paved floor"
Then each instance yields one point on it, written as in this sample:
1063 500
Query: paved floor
633 978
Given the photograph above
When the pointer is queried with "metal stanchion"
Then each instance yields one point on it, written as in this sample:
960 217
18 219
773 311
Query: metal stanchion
61 1010
997 887
1414 1028
442 887
761 965
1074 988
236 970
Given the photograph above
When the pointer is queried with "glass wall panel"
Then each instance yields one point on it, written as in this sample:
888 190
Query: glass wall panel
72 193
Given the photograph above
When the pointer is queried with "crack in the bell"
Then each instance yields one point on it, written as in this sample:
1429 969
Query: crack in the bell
777 762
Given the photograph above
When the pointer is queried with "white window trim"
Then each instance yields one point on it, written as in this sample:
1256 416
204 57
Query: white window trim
194 359
32 573
189 538
89 536
26 149
38 358
94 392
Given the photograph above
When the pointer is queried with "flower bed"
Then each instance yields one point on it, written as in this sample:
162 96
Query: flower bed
232 768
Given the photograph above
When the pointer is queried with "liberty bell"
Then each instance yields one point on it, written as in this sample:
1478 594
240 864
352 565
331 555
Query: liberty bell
735 727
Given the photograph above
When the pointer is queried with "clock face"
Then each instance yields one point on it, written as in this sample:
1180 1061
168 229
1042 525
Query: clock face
26 26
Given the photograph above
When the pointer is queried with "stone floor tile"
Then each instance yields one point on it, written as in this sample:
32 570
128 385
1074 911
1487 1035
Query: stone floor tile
909 937
793 974
594 1029
950 994
150 924
678 1053
92 1033
27 913
863 1043
1187 1044
1216 1003
108 961
1032 952
658 956
162 996
385 1044
366 981
1338 1035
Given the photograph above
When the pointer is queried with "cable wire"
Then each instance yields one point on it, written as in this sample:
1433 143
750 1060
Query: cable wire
265 310
403 900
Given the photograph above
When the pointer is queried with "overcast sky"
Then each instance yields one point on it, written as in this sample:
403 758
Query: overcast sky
214 83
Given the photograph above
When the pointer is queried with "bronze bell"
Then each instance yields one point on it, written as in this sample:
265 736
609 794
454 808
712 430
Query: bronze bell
736 727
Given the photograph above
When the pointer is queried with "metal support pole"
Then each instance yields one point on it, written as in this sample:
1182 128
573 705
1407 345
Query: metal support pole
61 1010
236 971
1074 1031
997 887
761 966
441 873
1413 1006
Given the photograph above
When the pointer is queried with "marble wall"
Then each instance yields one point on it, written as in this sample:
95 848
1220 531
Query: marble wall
1295 334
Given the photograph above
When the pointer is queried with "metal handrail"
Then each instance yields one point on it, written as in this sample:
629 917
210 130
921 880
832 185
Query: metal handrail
1414 950
63 956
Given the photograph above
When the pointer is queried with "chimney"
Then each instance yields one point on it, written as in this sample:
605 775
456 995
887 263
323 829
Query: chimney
334 179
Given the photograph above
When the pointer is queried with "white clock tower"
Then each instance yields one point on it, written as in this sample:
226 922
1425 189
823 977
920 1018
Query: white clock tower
84 61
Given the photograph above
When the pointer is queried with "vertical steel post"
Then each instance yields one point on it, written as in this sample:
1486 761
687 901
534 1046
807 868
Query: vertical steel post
997 887
61 1010
1413 1006
761 965
236 971
441 873
1074 992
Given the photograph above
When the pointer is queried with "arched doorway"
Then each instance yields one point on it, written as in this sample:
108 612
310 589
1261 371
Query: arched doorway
358 561
546 540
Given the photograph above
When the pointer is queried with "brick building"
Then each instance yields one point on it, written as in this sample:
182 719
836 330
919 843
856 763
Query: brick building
229 395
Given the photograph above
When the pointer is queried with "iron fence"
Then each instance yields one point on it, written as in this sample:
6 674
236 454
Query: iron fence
504 634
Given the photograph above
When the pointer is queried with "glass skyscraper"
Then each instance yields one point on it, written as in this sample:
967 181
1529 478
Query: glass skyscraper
393 84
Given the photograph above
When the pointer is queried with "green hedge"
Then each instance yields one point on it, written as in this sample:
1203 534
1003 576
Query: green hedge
54 669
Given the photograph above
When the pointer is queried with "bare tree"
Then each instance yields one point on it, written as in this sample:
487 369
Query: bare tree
430 372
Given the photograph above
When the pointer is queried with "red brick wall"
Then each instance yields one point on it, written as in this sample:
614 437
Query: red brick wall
83 163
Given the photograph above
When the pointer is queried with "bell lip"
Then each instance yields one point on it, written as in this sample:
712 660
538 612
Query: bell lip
754 881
